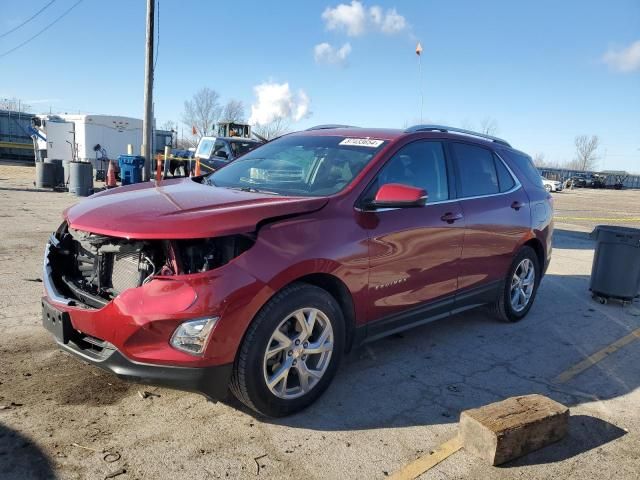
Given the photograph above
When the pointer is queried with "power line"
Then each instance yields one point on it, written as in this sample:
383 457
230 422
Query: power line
4 54
28 19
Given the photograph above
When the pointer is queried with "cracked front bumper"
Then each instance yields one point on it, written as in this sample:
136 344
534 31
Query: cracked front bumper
211 381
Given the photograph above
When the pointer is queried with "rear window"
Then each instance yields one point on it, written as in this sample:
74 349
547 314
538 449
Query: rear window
525 165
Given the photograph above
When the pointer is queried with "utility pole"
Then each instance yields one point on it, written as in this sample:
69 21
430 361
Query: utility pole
147 123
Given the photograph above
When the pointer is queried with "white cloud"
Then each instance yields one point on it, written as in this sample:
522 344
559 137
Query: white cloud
277 101
376 15
355 19
351 18
625 59
393 22
328 54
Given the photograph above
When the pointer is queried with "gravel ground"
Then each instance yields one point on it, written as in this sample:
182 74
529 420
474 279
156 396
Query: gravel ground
583 208
392 401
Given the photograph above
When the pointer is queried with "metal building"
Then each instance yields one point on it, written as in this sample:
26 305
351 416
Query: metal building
15 139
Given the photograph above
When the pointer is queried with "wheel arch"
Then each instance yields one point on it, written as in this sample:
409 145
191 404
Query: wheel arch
537 246
340 292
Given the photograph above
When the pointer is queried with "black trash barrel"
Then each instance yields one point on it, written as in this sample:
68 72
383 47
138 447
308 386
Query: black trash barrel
81 178
615 272
45 174
59 171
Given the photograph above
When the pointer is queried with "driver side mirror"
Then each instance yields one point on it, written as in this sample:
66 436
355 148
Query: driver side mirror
398 195
221 154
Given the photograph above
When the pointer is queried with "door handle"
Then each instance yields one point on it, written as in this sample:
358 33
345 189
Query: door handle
451 217
517 205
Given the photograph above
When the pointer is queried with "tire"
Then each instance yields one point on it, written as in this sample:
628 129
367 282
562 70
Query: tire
503 307
256 362
547 188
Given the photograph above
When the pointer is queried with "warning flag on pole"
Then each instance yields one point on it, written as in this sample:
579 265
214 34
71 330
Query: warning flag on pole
194 130
418 49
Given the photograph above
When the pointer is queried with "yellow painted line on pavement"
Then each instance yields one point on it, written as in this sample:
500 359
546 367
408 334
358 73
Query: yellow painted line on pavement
591 360
601 219
426 462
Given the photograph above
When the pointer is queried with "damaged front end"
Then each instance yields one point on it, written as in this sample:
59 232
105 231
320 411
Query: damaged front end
93 269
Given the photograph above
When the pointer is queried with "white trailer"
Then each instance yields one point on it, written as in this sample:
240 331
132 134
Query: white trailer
83 137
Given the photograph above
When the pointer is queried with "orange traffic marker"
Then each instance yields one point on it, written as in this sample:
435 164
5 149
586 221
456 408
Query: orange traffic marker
158 168
197 172
111 176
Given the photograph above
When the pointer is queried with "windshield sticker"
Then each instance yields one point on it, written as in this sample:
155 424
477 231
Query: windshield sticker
362 142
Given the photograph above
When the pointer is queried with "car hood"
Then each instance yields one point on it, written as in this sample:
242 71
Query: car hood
181 208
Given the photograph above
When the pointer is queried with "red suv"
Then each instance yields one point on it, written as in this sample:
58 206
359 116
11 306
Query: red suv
258 277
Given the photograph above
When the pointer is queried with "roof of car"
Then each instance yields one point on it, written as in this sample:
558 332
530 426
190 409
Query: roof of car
356 132
393 134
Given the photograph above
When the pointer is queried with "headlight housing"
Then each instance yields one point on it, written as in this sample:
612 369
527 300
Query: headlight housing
192 336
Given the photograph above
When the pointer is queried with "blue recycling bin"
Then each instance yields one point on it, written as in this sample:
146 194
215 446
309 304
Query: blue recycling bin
130 168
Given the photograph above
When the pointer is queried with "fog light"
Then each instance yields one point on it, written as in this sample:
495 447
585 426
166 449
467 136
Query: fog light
191 336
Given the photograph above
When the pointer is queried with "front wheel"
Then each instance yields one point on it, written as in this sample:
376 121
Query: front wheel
520 287
290 352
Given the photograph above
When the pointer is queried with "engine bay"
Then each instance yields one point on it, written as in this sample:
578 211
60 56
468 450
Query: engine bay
94 269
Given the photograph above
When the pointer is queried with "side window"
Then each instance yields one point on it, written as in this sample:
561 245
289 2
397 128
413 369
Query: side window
218 147
524 163
505 180
420 164
476 170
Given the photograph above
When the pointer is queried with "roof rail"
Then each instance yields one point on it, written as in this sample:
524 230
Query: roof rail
444 128
329 126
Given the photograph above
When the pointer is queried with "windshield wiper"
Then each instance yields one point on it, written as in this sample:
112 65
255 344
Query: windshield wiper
253 190
208 181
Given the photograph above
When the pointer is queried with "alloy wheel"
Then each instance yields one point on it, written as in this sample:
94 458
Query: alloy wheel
522 284
298 353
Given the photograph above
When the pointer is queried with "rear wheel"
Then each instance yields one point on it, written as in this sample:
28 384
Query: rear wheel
290 352
520 287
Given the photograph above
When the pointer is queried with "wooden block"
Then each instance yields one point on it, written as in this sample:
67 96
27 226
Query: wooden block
506 430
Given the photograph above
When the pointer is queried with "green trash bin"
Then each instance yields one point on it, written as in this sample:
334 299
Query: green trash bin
615 272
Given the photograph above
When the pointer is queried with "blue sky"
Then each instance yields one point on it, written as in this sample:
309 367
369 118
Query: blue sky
545 71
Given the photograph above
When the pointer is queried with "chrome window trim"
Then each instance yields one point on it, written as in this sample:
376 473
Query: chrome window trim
517 186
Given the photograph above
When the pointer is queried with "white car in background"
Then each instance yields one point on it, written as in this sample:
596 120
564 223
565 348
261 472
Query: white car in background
551 185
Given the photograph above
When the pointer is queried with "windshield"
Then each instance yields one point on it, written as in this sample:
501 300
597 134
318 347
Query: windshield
299 165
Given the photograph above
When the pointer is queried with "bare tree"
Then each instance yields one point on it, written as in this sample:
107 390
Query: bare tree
273 129
538 160
488 126
184 143
14 104
202 112
169 125
233 111
586 156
